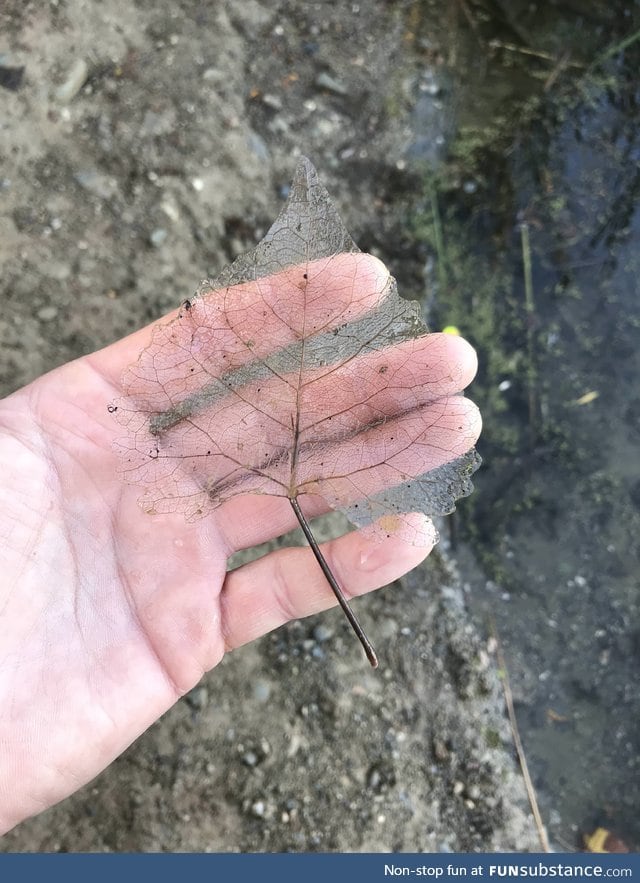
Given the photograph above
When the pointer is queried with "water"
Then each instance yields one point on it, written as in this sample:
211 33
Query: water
542 168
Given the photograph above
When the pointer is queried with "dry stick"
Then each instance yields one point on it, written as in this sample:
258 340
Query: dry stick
615 49
530 318
517 741
535 53
439 238
337 591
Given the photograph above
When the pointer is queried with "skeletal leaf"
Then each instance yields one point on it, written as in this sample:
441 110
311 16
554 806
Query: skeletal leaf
298 370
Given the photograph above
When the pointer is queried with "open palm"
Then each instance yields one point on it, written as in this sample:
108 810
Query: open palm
108 616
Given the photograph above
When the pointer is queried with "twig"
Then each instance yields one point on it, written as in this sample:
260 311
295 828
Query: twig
530 318
613 50
517 741
534 53
437 234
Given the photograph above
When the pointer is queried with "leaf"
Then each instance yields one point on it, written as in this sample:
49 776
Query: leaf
298 370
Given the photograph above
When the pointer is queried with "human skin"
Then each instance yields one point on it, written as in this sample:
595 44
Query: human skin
109 615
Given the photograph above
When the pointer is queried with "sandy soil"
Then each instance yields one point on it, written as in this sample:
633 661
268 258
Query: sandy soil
144 147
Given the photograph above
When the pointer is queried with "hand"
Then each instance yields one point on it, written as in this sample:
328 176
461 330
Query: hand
108 615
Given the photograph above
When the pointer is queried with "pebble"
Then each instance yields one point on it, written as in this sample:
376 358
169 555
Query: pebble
75 80
322 633
261 690
272 101
258 809
170 209
198 698
97 183
47 314
158 237
257 145
374 779
250 759
331 84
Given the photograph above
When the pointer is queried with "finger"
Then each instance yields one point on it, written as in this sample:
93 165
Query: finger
356 282
247 521
288 584
391 453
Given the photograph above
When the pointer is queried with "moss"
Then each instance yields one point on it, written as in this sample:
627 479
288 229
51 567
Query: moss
492 738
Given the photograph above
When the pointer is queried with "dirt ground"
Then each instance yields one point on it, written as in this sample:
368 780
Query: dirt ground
142 147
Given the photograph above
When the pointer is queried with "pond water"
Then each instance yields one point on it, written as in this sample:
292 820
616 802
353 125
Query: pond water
529 221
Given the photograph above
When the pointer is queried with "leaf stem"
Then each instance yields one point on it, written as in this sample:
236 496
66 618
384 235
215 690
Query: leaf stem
337 591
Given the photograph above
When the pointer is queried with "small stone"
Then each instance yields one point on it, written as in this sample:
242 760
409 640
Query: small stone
97 183
258 809
170 209
250 758
331 84
458 788
47 314
261 690
272 101
257 145
374 779
74 81
198 698
158 237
